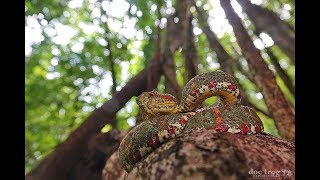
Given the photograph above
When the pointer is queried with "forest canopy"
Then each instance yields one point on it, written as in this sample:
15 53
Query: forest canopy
79 53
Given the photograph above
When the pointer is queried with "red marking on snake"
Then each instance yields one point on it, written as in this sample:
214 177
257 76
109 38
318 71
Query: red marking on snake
244 128
220 128
171 129
212 84
189 115
239 96
257 128
154 141
232 87
183 121
168 97
194 92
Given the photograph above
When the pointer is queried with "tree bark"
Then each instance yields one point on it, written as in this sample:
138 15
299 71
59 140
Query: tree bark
281 72
174 40
275 100
189 50
112 70
206 154
99 149
248 75
110 58
58 164
268 21
245 101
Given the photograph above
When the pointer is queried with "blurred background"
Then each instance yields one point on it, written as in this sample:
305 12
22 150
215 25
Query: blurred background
79 53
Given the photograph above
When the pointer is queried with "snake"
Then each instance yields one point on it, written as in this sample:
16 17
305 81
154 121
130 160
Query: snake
165 119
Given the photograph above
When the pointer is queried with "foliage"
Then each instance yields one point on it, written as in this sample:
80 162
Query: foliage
68 70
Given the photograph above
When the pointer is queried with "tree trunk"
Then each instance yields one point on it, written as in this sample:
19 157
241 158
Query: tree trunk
100 148
174 40
245 101
248 75
281 72
275 100
224 59
206 154
268 21
110 58
58 164
190 53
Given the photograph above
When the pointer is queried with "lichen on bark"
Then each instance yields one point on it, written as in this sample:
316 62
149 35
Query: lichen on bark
207 154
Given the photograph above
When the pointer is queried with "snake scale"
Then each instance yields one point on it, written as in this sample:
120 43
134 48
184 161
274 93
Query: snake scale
164 119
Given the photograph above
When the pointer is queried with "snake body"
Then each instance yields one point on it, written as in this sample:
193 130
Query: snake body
164 119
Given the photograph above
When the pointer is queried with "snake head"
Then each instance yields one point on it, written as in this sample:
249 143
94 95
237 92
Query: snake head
153 103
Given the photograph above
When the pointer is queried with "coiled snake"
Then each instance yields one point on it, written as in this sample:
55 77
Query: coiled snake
165 119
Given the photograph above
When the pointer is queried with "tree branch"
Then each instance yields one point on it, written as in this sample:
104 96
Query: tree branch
279 30
189 50
275 100
174 40
206 154
57 165
224 59
283 75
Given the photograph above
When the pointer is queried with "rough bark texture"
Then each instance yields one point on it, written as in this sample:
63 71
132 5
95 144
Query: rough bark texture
275 100
100 148
268 21
58 164
206 154
113 168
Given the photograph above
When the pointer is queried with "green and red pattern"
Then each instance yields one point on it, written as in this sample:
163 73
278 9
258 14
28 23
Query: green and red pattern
164 119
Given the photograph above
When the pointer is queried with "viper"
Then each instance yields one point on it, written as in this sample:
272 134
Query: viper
165 119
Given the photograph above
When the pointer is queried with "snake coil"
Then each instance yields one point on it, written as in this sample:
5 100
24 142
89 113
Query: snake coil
164 119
